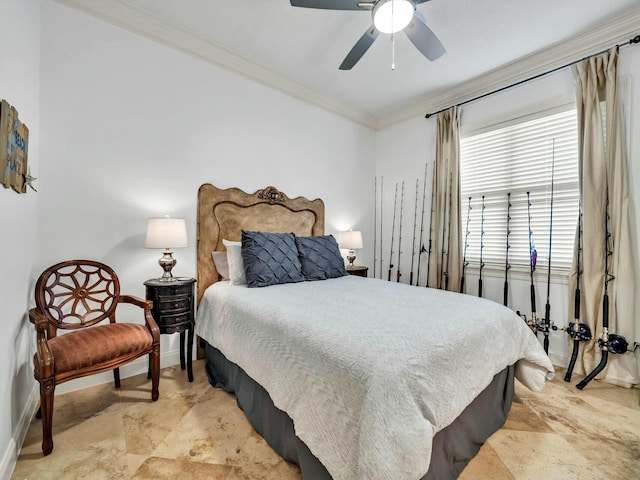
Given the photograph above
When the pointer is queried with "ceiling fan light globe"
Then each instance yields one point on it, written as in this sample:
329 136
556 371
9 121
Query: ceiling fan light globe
391 16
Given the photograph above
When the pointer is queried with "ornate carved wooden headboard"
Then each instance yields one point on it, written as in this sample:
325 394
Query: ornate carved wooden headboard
225 213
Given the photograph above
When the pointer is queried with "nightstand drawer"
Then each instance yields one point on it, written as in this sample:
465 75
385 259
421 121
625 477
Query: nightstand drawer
175 305
172 290
167 320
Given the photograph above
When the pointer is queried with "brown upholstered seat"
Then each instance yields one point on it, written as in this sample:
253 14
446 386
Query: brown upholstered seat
76 295
89 347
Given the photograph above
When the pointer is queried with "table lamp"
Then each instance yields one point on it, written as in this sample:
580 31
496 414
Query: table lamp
166 233
350 240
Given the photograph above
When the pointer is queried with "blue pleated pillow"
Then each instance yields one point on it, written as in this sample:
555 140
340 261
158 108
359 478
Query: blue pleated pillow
270 258
320 257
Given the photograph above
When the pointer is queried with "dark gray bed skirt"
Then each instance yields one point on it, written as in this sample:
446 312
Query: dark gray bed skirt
453 446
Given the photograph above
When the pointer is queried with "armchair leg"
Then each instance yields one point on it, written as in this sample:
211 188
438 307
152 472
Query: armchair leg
47 389
116 377
39 413
155 372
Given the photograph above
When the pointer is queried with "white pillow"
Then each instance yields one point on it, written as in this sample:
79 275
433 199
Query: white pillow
236 264
221 263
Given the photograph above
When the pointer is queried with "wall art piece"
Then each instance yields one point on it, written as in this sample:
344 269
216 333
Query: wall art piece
14 144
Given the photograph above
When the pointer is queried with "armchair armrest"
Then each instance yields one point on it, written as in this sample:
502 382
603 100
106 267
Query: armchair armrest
39 320
146 304
148 318
44 358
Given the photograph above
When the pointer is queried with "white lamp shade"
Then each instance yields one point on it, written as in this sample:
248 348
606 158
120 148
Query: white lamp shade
166 233
390 16
350 240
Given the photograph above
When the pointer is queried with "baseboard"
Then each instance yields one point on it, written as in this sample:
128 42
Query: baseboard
562 361
10 456
559 359
8 462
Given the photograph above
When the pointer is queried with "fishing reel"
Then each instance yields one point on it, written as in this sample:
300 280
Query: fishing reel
537 324
613 343
543 326
579 331
532 322
616 344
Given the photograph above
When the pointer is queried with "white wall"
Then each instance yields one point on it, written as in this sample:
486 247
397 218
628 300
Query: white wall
403 149
19 84
129 130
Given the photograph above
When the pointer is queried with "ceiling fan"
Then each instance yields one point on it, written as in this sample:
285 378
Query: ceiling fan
389 16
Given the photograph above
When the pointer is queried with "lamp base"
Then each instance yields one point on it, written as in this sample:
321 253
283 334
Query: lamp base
167 262
351 257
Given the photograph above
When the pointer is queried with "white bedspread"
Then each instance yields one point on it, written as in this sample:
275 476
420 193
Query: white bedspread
369 370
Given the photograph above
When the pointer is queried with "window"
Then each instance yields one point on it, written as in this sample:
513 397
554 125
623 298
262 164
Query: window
518 158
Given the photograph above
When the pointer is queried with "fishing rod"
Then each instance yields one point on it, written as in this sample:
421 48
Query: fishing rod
603 341
466 244
577 331
545 323
375 215
398 274
381 230
533 258
393 226
415 225
481 246
433 196
422 249
608 342
446 225
506 253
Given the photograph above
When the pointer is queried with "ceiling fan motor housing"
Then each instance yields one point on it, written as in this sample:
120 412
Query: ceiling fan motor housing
391 16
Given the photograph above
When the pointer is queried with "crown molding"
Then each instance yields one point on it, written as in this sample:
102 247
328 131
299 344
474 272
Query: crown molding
133 20
617 31
115 12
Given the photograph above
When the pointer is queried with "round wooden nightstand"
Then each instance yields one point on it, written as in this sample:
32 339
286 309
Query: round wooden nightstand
358 270
174 312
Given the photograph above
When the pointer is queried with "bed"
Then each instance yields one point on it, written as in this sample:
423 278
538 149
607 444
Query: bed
349 377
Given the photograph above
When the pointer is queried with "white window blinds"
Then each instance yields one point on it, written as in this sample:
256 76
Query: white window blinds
518 159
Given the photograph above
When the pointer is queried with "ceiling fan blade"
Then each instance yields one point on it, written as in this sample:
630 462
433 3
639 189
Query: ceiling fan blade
331 4
340 4
360 48
423 38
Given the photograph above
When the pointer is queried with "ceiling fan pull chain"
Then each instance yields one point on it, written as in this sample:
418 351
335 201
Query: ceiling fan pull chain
393 40
393 52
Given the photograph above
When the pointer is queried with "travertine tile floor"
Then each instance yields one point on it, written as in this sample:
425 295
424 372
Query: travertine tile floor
195 431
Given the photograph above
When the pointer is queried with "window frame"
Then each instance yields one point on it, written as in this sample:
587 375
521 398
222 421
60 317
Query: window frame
518 269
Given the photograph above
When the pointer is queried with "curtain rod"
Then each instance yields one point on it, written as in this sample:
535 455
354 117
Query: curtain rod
632 41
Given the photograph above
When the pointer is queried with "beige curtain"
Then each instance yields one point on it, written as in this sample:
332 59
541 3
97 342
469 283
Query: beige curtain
445 266
602 169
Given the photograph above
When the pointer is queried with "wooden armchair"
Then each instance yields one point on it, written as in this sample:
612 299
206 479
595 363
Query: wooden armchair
76 295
